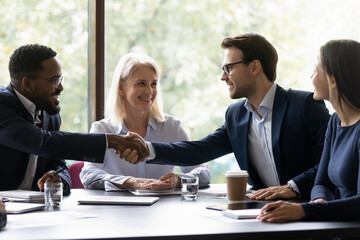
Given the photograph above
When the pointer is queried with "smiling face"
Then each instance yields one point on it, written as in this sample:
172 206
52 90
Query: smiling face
239 80
320 82
44 94
140 91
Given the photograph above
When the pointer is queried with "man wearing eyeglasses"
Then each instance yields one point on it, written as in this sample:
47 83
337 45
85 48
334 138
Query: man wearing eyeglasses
275 134
31 146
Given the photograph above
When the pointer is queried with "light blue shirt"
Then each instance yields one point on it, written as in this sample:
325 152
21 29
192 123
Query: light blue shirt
259 139
116 170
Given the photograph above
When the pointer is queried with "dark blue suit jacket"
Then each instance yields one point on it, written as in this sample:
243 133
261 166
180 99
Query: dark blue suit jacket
298 129
19 138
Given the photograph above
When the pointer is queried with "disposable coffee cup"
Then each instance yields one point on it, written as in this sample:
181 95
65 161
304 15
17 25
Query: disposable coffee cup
236 186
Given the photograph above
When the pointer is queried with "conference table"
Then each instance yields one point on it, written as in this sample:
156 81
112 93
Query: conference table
169 218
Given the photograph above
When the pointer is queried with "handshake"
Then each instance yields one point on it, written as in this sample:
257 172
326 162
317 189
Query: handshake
131 147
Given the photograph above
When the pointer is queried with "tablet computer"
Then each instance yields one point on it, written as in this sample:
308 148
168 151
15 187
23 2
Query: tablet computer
118 200
238 206
19 207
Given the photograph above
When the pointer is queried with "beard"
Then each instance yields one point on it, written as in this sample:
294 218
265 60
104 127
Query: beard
43 102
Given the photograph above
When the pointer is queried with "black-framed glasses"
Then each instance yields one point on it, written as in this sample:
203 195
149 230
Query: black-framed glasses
225 68
56 81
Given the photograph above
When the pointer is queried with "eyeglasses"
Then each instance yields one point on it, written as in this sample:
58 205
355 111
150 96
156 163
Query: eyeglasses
225 68
56 81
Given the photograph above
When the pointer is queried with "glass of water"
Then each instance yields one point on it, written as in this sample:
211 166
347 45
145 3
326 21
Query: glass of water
189 187
53 195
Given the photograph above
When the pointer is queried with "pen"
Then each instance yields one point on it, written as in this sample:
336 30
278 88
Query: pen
5 200
58 171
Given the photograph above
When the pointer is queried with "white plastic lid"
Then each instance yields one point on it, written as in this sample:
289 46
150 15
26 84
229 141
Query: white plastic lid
236 174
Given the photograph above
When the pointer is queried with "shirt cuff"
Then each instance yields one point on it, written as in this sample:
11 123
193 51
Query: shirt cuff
106 141
294 187
151 148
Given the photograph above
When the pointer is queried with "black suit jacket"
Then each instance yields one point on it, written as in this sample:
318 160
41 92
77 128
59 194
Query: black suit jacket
298 129
19 138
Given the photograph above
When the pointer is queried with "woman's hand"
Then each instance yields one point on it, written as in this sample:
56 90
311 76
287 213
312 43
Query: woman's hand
281 211
137 183
318 200
168 181
2 206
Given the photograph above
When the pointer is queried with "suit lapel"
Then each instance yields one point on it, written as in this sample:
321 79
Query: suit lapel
243 131
25 113
279 110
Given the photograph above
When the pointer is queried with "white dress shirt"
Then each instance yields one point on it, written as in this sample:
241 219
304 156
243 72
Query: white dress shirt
259 139
32 164
116 170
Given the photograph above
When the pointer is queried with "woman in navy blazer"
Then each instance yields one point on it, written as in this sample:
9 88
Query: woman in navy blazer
336 79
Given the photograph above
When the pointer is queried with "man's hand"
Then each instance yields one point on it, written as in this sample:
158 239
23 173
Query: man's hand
275 192
132 147
48 177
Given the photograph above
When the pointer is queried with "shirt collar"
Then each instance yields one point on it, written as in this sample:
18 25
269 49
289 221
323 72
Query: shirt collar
29 105
266 104
122 129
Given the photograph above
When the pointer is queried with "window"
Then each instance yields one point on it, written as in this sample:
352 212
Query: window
61 25
184 37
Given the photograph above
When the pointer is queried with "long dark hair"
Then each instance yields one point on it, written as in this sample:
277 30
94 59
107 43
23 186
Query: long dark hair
341 59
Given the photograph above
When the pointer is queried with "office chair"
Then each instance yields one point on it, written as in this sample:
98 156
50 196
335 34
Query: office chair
74 171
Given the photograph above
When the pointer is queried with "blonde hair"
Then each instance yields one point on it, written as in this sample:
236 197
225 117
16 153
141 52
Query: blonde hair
126 66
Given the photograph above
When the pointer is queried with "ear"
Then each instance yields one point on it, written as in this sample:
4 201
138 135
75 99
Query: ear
121 89
332 82
256 67
27 84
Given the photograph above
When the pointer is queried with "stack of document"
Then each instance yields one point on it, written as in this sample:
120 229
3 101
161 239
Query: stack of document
156 192
20 195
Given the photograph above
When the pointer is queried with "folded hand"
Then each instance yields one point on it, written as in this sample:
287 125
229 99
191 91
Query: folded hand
275 192
168 181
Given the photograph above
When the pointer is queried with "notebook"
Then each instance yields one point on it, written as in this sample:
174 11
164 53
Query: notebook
143 192
25 195
118 200
242 214
19 207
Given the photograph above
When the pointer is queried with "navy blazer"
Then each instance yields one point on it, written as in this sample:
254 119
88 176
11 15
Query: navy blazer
19 138
298 129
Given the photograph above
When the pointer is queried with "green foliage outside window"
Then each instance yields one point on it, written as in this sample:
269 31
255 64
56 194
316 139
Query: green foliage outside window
184 37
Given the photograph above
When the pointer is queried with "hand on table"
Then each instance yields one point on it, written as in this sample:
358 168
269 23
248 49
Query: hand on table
137 183
131 147
281 211
168 181
2 206
275 192
48 177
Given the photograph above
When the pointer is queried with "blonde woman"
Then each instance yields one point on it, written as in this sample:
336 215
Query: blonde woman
134 104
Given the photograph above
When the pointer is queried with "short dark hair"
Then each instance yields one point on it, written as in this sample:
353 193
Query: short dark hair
255 46
27 59
341 59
